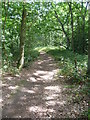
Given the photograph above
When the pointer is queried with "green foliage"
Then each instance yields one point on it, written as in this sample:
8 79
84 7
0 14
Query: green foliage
43 29
30 56
89 114
66 60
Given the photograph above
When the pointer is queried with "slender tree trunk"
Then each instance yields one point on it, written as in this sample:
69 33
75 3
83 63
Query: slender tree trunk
88 70
22 38
78 34
83 35
72 41
83 26
68 41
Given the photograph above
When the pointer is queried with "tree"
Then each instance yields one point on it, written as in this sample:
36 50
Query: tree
62 25
88 70
72 41
84 10
47 24
22 38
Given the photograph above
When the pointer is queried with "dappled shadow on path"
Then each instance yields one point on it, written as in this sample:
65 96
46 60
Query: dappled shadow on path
36 93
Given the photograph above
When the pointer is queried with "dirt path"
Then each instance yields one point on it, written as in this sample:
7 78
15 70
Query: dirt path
38 93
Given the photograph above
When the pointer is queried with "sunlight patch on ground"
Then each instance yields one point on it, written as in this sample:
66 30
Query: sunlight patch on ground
39 109
51 103
60 76
46 60
37 85
51 73
53 88
39 79
43 75
61 102
4 85
27 90
42 52
41 72
40 62
8 95
13 87
17 75
51 97
1 100
9 78
55 95
1 104
33 79
35 74
47 77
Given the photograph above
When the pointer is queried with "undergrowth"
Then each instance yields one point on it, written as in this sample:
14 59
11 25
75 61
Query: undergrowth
11 65
71 65
31 56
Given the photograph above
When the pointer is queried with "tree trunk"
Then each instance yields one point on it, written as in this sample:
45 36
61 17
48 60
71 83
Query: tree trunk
22 38
68 41
83 35
72 41
78 45
88 70
83 27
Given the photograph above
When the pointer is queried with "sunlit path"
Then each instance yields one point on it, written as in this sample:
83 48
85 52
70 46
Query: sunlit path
45 59
37 93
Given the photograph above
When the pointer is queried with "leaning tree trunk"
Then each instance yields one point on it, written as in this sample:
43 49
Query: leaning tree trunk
22 38
88 71
65 33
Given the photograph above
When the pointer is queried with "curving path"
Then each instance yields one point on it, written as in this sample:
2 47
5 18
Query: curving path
38 93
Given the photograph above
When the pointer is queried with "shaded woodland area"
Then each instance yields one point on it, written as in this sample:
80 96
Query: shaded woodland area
35 36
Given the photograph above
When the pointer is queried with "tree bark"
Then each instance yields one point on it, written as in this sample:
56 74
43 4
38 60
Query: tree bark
72 40
88 70
83 27
22 38
68 41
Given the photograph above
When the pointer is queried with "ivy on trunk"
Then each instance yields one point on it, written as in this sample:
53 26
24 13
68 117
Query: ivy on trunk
22 38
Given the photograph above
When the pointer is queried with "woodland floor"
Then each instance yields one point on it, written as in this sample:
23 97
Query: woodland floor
39 93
